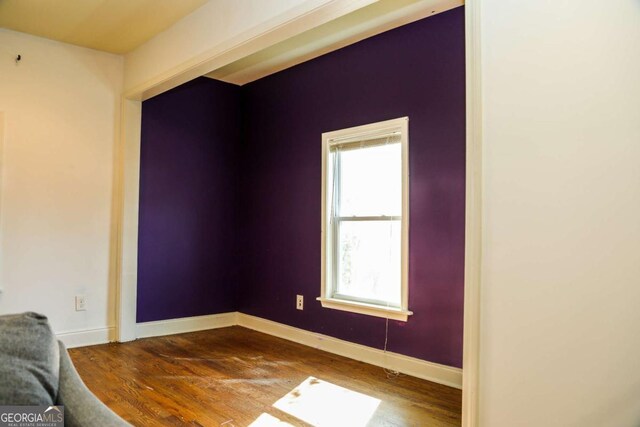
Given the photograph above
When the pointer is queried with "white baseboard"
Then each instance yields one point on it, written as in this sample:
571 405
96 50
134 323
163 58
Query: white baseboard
185 324
87 337
430 371
435 372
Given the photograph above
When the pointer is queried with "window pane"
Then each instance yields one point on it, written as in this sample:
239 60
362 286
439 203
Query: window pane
371 181
369 260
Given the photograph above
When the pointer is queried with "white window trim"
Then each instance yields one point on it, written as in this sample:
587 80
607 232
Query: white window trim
359 132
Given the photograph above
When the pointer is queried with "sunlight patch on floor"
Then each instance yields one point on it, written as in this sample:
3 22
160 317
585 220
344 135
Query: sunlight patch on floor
321 404
266 420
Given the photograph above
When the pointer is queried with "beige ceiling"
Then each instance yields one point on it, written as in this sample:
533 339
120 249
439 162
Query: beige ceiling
116 26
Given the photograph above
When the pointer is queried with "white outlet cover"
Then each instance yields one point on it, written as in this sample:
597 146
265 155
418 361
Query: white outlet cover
81 303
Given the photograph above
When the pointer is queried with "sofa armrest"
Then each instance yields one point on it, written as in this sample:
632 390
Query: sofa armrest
81 407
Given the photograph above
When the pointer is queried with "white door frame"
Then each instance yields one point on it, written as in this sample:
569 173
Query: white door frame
473 218
127 188
127 170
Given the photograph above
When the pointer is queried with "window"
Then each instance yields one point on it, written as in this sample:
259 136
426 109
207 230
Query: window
365 219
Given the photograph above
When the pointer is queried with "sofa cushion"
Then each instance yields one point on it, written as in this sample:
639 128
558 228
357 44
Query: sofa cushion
29 360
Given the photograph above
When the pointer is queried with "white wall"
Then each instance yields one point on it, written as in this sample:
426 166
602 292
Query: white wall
61 106
205 28
560 328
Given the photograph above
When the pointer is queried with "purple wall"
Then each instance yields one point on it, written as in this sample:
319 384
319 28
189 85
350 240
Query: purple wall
191 241
416 71
187 243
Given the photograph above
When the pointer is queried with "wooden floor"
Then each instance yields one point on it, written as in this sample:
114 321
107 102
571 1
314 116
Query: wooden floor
233 376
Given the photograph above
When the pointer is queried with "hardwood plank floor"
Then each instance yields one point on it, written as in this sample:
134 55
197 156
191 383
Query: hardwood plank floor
233 376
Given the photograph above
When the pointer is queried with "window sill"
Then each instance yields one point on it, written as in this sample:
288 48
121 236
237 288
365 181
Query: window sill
363 308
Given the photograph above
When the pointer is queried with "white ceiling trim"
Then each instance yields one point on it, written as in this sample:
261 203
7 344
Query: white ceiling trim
344 36
269 33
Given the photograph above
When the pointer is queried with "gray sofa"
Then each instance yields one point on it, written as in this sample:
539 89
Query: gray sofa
35 369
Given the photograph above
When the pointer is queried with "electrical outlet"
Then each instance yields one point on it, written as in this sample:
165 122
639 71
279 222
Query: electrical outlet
81 303
299 302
